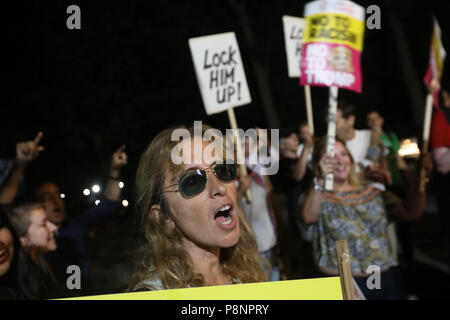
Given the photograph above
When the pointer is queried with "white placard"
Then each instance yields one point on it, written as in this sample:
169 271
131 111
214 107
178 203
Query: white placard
220 72
293 38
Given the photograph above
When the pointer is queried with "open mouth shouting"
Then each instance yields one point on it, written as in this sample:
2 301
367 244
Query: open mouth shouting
225 217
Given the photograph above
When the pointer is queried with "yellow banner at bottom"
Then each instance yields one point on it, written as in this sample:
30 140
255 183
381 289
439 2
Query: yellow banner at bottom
328 288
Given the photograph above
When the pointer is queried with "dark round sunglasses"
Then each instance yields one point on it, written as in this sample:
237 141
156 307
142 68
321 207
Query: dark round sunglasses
193 182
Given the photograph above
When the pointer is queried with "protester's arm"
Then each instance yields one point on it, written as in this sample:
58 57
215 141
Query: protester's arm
302 163
310 207
112 190
8 191
25 153
442 159
97 214
411 208
379 173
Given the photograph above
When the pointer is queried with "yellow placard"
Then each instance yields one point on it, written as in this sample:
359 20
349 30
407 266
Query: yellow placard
328 288
334 28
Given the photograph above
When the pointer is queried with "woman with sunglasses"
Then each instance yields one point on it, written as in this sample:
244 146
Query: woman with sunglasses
195 232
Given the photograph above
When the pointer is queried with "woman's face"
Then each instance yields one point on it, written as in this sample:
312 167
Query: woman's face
344 163
40 233
208 220
6 250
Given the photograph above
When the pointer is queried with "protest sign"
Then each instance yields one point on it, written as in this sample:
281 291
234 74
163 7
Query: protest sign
221 77
332 44
293 36
220 72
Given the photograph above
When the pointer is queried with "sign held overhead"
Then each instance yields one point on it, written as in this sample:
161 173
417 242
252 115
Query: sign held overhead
220 72
333 42
293 36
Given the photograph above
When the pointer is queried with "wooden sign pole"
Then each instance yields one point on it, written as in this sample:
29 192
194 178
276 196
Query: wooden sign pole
309 112
426 138
345 272
240 154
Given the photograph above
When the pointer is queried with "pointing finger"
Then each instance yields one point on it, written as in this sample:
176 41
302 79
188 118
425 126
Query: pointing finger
38 137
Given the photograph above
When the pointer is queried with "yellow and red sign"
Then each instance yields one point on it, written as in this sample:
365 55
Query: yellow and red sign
332 44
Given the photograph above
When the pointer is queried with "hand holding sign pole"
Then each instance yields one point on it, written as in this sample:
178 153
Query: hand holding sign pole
221 77
332 45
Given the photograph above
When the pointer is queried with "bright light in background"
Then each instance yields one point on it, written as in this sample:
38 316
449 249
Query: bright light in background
97 202
62 195
125 203
121 184
95 188
409 148
86 192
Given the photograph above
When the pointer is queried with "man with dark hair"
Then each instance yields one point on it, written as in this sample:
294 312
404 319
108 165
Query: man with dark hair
390 147
357 141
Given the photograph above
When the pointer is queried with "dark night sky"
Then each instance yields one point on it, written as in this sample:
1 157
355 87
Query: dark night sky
128 73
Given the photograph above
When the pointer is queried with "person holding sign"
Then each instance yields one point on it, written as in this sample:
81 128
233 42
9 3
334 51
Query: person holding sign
196 233
357 212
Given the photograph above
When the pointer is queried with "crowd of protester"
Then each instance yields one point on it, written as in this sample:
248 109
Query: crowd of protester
202 228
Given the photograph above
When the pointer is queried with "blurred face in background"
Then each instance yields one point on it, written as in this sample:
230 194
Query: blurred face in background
41 232
6 250
344 127
49 195
374 120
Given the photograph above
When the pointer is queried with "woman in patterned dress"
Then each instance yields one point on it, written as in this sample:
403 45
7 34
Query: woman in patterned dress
358 212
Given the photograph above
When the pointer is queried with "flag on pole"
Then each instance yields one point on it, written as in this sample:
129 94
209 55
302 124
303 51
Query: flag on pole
436 64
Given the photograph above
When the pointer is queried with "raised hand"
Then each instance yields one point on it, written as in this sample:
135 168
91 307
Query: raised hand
327 164
29 150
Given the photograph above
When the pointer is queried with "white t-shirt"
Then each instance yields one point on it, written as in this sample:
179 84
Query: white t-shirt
359 145
257 214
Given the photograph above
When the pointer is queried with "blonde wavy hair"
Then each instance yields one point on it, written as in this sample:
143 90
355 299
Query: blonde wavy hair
164 256
320 149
